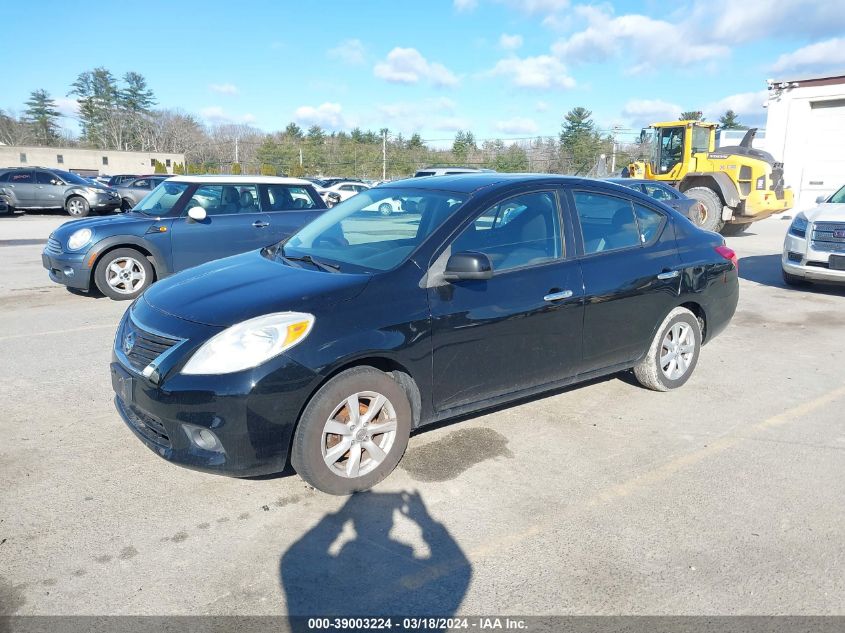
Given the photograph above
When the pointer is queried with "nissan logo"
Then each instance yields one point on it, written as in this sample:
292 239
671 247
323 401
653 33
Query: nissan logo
129 343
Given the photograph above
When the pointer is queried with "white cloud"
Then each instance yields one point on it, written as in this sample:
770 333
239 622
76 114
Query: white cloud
641 41
742 103
510 42
463 6
328 115
408 66
541 106
349 52
224 89
642 112
517 125
216 114
543 71
826 55
67 107
537 6
732 21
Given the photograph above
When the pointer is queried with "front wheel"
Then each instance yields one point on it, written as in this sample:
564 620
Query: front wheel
125 205
353 432
77 206
673 353
123 274
710 214
385 208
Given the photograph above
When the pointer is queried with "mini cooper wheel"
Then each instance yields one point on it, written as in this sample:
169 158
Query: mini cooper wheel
385 208
123 274
353 432
673 353
77 206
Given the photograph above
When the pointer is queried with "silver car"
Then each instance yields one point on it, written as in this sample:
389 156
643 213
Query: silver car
23 188
133 191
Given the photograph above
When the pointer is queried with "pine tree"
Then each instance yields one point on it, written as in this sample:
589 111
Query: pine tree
691 115
42 115
580 140
267 170
159 168
136 96
178 168
730 121
236 169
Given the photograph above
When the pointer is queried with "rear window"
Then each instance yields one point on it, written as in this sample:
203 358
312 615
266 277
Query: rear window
423 173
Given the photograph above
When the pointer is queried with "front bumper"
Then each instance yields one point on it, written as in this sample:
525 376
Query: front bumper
252 414
801 260
69 269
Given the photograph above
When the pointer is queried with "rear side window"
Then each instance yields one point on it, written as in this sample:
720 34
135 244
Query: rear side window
649 222
142 184
607 222
225 199
287 198
20 178
658 193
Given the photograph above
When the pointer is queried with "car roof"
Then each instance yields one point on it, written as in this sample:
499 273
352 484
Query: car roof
474 181
239 180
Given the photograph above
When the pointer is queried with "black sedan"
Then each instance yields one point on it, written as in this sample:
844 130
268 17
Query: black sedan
328 349
683 204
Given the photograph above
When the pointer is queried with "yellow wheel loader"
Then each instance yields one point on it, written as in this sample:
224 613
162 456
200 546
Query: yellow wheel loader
736 185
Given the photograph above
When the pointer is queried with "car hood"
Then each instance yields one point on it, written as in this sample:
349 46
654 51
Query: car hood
231 290
827 212
105 225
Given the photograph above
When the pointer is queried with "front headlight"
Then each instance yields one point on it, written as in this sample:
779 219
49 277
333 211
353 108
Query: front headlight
798 228
250 343
79 239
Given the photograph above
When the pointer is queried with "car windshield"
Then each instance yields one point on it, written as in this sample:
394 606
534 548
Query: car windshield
375 230
838 197
161 199
73 179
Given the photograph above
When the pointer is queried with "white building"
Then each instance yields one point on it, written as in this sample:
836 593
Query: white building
87 162
805 129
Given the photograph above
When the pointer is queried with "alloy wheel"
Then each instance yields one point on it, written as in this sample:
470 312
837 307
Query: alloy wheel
677 351
126 275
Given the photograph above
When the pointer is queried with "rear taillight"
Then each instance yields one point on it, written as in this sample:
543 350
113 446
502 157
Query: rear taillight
729 254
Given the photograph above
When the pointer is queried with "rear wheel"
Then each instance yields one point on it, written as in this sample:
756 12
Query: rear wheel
123 274
673 353
77 206
710 217
353 432
735 229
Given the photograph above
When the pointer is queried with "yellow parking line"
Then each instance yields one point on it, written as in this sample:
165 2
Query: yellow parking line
12 337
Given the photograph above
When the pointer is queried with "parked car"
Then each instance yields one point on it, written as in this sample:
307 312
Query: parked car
450 171
185 221
814 246
328 349
120 179
133 191
667 194
344 189
23 188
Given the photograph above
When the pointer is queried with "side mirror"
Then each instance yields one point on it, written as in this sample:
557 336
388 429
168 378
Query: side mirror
197 214
468 265
821 199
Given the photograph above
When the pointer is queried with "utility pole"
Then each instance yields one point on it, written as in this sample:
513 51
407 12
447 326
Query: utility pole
300 157
384 155
616 129
236 150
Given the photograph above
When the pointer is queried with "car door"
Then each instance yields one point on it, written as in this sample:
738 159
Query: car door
631 271
234 224
522 327
49 189
21 184
289 208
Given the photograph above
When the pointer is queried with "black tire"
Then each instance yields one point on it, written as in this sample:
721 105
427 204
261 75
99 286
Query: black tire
385 208
735 229
77 207
712 220
793 280
307 452
650 372
125 205
103 274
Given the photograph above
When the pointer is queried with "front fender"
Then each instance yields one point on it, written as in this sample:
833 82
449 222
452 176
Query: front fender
158 258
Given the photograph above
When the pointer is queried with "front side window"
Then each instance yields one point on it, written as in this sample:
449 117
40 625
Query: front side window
520 231
658 193
225 199
607 222
287 198
46 178
162 199
838 197
354 233
142 183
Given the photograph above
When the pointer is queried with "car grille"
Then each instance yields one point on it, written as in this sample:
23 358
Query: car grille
146 346
54 246
824 238
147 425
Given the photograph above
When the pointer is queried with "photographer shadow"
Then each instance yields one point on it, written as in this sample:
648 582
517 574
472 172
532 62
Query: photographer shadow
381 554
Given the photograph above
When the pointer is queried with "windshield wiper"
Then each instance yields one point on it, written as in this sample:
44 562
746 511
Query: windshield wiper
332 268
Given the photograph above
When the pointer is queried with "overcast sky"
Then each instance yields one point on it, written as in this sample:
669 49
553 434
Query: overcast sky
502 68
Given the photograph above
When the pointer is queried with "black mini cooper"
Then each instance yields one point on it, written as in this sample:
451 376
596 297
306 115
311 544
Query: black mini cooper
328 349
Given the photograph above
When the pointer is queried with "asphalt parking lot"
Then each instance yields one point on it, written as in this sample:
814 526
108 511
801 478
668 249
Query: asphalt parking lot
723 497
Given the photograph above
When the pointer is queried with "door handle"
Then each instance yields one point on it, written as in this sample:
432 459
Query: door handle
557 296
259 224
669 274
